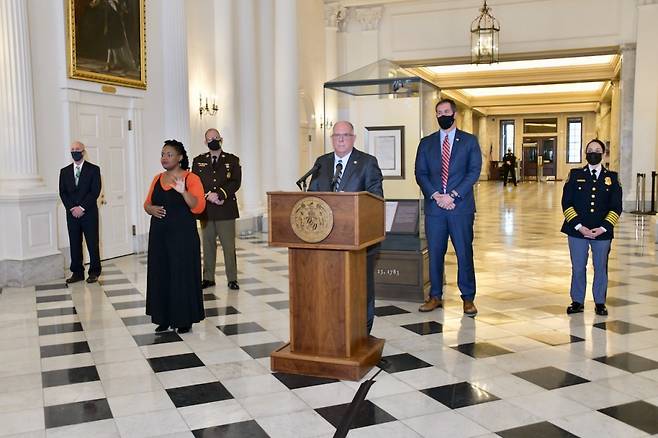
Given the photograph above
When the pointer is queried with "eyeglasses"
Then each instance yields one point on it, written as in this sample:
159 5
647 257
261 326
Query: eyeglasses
343 136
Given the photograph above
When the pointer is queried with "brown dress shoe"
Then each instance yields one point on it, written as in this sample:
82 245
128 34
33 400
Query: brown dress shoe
470 309
430 304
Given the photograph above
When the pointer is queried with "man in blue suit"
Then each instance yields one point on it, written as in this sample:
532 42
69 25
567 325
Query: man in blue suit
448 164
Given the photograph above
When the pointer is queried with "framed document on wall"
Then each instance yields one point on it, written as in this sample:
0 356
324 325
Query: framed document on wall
386 143
107 41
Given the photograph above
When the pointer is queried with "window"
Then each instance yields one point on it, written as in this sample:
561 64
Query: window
574 140
506 136
540 126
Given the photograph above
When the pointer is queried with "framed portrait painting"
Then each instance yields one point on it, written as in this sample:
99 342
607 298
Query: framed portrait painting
107 41
386 143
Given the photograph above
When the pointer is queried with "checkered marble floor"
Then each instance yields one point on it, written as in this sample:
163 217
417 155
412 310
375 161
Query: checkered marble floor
83 361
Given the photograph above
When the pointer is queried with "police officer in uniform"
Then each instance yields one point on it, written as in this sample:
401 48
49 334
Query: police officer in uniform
509 167
592 204
221 176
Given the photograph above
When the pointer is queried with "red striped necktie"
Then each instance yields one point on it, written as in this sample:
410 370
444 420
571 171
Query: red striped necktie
445 162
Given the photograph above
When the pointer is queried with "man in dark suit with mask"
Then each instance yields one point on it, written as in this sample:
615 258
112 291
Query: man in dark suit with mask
349 170
221 175
448 165
79 188
509 167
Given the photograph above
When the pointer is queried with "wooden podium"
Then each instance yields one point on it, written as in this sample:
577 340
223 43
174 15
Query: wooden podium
327 280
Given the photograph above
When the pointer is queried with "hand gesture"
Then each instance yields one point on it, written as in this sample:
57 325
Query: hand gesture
213 197
156 210
596 232
179 184
586 232
77 211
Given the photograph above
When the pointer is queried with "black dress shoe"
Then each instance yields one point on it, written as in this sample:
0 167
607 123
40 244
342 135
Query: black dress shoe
207 283
162 328
233 285
74 278
184 329
92 278
575 308
600 309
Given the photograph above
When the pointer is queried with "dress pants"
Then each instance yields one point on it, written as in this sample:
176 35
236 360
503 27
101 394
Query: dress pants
579 251
459 227
225 230
86 225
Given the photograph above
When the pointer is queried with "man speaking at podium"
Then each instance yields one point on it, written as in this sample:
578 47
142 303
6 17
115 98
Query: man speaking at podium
349 170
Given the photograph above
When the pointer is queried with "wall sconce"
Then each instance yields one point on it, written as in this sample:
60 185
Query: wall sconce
207 108
326 124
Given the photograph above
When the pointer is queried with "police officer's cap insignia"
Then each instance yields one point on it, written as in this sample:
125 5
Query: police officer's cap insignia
607 181
203 164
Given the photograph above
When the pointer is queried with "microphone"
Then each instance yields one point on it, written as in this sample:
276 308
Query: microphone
302 180
334 180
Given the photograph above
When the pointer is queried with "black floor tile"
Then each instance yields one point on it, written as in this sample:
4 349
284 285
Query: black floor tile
243 429
629 362
496 318
389 310
613 283
129 305
221 311
210 297
554 338
241 328
459 395
137 320
276 268
69 376
156 338
264 291
198 394
51 286
650 277
368 414
618 302
259 242
280 305
176 362
294 381
550 377
402 362
262 350
114 281
639 414
122 292
59 328
45 313
481 349
112 272
248 280
538 430
64 349
651 294
76 413
621 327
425 328
53 298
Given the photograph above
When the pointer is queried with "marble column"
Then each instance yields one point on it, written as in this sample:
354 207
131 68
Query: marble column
627 93
614 127
267 87
467 120
286 98
334 16
248 81
176 96
28 237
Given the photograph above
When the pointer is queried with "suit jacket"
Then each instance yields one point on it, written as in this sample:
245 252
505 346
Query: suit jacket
224 179
86 193
360 174
511 158
591 203
463 172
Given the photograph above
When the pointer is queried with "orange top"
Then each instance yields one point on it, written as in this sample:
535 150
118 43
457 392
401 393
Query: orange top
194 186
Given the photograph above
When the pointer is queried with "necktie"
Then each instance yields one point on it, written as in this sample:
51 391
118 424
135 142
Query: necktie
77 175
337 175
594 174
445 162
214 161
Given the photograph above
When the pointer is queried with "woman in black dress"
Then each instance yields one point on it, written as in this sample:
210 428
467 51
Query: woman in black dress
173 283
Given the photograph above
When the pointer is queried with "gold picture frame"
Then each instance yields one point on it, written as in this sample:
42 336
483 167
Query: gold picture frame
107 41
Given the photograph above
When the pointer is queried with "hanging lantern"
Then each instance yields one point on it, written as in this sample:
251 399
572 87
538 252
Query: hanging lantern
484 37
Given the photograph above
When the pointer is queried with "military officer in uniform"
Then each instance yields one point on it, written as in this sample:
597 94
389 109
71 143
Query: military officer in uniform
592 204
509 167
221 176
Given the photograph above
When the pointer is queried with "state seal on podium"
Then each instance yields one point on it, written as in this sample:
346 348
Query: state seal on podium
311 219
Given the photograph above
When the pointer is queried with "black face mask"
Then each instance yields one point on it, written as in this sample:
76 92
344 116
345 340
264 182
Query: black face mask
214 145
77 155
593 158
446 122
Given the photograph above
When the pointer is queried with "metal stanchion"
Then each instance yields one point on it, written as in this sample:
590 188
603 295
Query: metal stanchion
640 180
653 192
